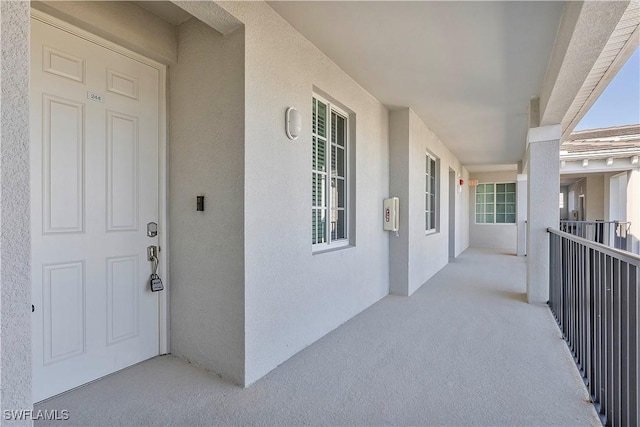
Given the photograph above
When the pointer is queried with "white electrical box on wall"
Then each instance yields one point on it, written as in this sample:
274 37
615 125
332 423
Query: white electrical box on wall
391 214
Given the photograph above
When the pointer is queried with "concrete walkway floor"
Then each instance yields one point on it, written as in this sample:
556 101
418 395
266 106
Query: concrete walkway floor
465 349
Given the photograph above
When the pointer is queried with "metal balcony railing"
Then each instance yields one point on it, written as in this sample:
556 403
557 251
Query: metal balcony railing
611 233
593 294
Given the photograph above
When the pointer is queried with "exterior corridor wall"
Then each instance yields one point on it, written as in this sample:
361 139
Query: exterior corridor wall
293 296
416 255
206 152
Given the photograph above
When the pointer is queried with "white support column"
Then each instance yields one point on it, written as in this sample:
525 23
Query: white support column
521 214
15 252
543 185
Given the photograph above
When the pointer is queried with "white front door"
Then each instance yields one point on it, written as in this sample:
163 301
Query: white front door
94 188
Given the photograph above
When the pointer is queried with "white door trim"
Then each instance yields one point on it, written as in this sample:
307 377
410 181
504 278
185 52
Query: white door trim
163 297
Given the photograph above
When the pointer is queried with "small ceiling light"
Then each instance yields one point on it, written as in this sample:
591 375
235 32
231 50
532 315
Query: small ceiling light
293 123
634 160
609 161
585 163
563 163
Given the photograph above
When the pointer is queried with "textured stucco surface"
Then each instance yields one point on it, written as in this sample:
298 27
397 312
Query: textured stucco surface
292 296
206 157
543 185
492 236
121 22
15 285
416 257
595 198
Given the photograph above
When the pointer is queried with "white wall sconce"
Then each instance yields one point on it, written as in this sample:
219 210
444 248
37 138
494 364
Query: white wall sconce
609 161
292 123
585 163
634 160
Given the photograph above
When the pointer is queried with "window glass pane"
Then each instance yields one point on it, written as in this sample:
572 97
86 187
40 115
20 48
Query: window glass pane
511 209
489 198
500 188
313 128
433 169
511 218
322 155
341 233
318 226
479 198
334 224
322 120
479 208
333 127
489 188
432 201
479 218
320 190
341 193
489 208
433 221
511 197
500 208
341 162
500 198
334 193
489 218
480 189
511 187
314 226
314 159
499 219
334 168
340 133
314 189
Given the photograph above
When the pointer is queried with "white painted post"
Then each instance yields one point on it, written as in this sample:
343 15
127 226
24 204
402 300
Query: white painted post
543 186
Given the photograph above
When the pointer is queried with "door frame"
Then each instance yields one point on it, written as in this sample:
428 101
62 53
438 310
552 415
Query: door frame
163 297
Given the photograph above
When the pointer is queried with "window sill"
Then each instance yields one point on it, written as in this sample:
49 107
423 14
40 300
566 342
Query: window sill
318 251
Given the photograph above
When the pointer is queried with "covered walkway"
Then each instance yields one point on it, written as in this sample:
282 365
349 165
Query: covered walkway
465 349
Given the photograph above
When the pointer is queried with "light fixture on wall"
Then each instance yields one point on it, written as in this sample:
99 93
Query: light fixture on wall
609 161
292 123
634 160
563 164
585 163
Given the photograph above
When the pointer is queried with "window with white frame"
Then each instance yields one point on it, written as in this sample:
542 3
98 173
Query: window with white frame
329 198
431 193
496 203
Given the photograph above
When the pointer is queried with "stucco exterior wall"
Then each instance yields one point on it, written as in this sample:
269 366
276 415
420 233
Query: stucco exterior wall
594 203
121 22
415 255
15 251
206 157
493 236
292 296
